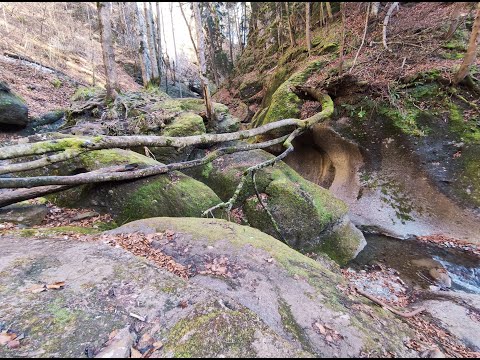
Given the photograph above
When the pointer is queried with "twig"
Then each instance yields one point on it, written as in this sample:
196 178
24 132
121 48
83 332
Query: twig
229 204
385 306
363 38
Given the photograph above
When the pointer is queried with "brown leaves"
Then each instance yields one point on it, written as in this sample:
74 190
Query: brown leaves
141 245
37 288
429 335
73 217
445 241
219 266
56 285
330 334
10 339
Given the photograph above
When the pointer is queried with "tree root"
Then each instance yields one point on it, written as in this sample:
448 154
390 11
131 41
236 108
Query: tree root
385 306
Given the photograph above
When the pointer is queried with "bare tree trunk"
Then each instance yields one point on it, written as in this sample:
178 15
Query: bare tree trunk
322 15
385 23
229 20
342 43
175 49
363 38
202 64
290 32
375 8
159 41
472 49
279 22
454 24
189 32
280 27
151 44
238 26
211 51
107 49
244 26
145 62
307 27
329 10
166 58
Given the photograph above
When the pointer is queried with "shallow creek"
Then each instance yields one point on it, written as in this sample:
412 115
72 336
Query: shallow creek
414 260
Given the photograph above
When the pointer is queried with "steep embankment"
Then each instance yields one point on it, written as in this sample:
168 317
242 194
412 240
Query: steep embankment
402 146
59 36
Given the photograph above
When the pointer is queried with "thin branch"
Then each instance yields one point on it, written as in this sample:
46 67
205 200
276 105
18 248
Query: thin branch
363 38
96 177
385 306
229 204
45 161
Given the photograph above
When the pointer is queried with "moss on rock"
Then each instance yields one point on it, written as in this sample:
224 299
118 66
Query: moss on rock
185 124
172 194
284 103
302 210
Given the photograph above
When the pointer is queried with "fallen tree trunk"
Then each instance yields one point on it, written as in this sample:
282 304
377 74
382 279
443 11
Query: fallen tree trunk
66 148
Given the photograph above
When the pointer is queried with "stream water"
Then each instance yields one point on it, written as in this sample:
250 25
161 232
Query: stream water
413 260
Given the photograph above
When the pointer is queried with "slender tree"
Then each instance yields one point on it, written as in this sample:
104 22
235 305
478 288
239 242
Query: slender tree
290 32
385 23
107 49
322 15
342 42
202 62
375 8
159 40
329 10
145 62
457 9
174 49
307 28
471 51
151 43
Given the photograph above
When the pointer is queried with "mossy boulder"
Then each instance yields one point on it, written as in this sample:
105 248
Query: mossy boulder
284 103
172 194
208 315
250 87
225 121
13 109
309 217
254 267
184 124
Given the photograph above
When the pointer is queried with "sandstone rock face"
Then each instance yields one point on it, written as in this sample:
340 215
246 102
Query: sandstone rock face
309 217
261 300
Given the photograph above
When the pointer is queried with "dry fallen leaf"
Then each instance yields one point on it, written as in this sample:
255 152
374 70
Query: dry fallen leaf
37 288
329 338
5 338
56 285
135 354
13 344
321 328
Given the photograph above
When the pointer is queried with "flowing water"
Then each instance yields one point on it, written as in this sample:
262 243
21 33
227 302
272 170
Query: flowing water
413 261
